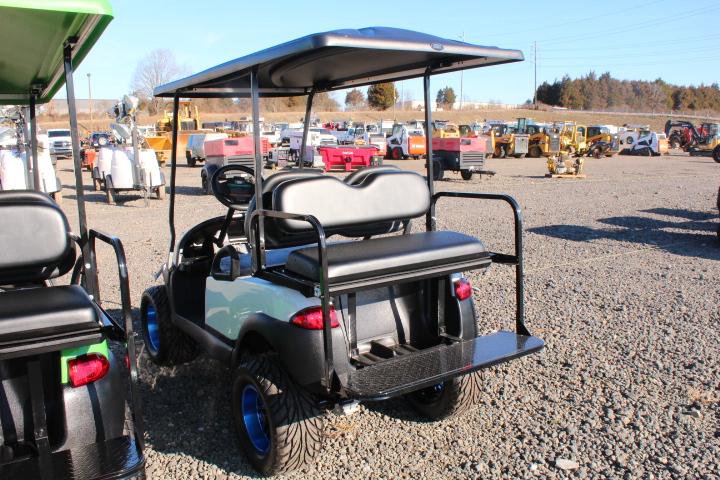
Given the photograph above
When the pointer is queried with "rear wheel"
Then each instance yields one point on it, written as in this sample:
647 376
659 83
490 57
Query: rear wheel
397 153
500 151
109 191
279 425
438 171
190 159
534 151
165 343
716 154
452 397
466 174
595 152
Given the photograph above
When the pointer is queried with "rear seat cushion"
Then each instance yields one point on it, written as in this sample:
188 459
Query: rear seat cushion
34 313
389 255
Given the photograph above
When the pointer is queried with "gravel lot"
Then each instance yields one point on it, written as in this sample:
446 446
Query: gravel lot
622 284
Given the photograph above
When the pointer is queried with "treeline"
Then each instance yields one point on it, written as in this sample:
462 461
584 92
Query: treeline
591 92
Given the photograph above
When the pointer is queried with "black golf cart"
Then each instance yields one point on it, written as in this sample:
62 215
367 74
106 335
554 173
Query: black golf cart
306 323
68 402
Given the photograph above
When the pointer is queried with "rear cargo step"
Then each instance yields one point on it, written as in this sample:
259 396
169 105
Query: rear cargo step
405 373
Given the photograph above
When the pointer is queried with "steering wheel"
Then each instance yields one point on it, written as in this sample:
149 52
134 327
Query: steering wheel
234 185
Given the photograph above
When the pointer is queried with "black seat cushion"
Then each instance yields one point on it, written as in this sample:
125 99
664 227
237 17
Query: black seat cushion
383 256
35 242
45 313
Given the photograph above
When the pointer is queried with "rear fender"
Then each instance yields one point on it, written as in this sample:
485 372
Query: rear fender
299 351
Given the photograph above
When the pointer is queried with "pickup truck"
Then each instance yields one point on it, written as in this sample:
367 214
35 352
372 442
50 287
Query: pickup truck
60 144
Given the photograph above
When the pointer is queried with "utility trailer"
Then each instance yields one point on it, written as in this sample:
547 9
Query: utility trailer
307 322
69 405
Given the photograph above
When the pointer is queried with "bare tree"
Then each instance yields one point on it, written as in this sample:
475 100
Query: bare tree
154 69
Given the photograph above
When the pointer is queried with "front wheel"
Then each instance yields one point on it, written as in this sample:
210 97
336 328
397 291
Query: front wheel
279 425
165 343
447 399
190 159
716 154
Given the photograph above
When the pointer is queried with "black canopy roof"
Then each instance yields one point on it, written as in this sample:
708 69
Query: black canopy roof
338 59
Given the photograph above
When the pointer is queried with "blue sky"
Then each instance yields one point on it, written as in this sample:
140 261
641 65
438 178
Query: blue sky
678 42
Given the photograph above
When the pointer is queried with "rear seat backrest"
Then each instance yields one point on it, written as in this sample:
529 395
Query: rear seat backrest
349 210
35 244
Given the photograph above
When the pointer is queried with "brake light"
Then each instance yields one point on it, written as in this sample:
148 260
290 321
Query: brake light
312 318
463 289
87 369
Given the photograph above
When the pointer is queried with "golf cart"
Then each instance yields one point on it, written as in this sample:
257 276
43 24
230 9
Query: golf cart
306 323
68 397
16 173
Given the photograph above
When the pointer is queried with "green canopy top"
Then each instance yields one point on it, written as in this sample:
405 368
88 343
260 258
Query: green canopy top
32 35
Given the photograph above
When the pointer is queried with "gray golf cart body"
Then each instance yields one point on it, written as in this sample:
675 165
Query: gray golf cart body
235 282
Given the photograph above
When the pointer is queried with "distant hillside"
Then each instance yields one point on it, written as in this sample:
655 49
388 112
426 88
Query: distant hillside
591 92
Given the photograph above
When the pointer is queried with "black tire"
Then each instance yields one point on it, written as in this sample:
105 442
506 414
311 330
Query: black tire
466 174
167 344
535 151
109 191
595 152
438 171
397 153
519 155
500 151
190 159
205 184
716 154
292 423
447 399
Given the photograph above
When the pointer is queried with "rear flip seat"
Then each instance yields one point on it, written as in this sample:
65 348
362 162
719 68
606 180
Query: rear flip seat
380 257
377 202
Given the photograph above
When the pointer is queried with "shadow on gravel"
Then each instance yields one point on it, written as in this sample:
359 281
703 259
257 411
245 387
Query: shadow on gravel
186 410
688 233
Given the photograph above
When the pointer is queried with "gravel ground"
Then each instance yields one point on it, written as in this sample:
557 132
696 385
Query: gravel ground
621 283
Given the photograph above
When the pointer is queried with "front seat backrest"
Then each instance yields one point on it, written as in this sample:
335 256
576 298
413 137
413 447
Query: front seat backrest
35 243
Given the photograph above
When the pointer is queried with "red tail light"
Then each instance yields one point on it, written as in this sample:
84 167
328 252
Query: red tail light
312 318
87 368
463 289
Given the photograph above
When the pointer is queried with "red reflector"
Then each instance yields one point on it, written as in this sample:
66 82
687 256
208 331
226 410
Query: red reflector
463 289
87 368
312 318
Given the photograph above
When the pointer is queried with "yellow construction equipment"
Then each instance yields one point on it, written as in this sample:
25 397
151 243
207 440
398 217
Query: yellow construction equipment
511 140
573 138
544 141
445 129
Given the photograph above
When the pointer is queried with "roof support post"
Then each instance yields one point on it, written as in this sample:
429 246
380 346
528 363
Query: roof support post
173 168
33 164
430 216
91 280
259 257
306 128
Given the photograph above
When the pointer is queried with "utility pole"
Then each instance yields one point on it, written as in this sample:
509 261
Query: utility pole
461 77
90 102
535 64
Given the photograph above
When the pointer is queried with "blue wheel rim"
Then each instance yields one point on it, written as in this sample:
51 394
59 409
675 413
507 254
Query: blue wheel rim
152 328
253 412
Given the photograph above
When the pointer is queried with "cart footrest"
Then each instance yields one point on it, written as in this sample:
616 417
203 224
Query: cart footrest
428 367
116 458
